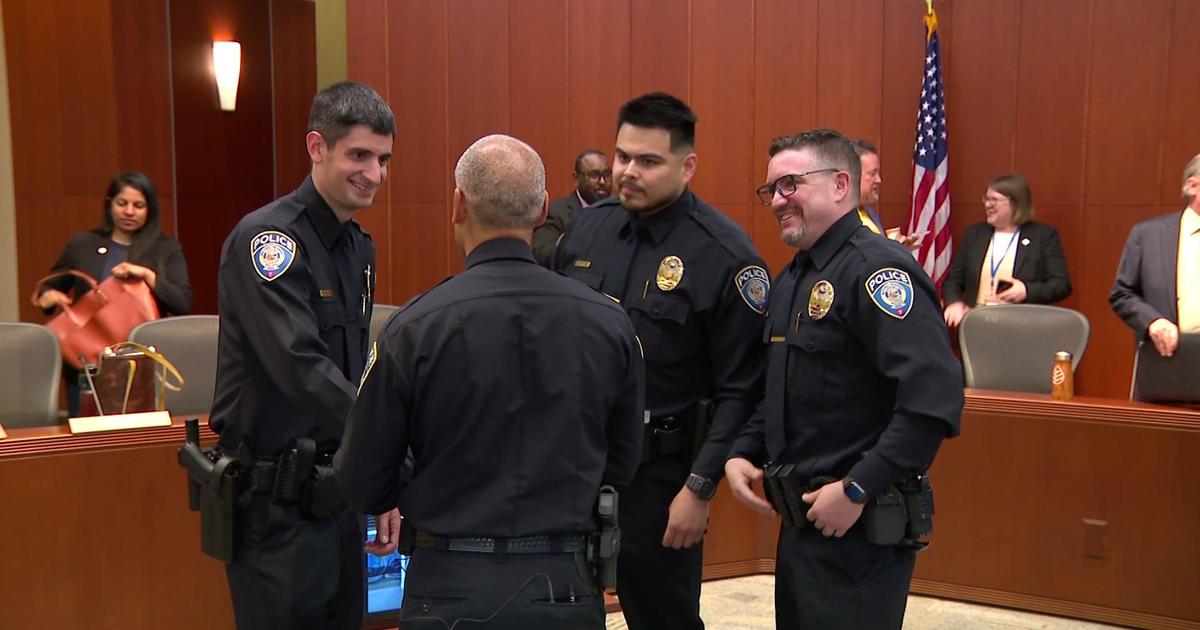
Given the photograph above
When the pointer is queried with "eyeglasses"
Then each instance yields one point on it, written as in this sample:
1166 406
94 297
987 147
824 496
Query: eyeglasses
785 185
994 201
595 176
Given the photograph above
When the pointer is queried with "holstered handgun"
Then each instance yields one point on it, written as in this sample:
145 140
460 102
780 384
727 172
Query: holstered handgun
212 489
605 545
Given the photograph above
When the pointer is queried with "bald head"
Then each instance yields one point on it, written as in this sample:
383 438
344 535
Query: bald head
504 182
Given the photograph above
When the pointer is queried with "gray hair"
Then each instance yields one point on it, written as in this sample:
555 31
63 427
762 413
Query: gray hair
1191 170
505 181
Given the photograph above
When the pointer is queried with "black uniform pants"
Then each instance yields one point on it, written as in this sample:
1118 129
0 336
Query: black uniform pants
466 591
659 587
292 573
835 583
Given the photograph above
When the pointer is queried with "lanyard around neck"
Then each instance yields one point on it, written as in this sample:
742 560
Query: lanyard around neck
995 264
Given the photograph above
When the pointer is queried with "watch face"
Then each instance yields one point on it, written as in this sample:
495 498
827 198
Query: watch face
704 488
855 492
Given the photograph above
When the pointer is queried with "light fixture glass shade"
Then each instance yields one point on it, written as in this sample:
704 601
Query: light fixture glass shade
227 65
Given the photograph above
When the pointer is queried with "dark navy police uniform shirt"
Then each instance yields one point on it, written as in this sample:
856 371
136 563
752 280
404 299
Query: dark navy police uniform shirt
295 289
696 291
518 391
861 379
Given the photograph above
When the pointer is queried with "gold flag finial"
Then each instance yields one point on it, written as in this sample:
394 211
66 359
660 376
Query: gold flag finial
928 7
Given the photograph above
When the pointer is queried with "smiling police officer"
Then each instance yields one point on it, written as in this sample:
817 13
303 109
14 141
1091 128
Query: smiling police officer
296 287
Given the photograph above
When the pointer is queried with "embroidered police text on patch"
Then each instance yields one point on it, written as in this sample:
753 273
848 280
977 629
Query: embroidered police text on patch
272 253
892 291
754 285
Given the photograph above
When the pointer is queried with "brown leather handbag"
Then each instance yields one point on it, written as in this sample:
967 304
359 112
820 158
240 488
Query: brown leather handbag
134 378
99 318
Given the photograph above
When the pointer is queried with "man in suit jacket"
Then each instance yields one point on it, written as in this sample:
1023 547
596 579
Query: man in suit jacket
593 182
869 185
1157 290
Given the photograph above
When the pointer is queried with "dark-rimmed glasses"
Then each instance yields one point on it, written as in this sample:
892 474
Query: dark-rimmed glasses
595 176
785 185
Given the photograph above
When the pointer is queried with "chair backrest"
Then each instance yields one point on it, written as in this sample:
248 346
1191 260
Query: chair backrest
1011 346
29 375
190 343
379 317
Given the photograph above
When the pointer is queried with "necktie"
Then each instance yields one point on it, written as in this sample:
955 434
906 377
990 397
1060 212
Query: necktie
782 305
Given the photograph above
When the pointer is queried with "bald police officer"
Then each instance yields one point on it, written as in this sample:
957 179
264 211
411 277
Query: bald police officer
296 287
696 291
519 392
861 390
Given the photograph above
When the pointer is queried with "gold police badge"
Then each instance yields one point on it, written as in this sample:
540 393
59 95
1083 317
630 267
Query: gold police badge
820 299
670 273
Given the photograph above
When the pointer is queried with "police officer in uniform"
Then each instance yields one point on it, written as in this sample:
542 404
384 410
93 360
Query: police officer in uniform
696 291
861 389
519 393
296 286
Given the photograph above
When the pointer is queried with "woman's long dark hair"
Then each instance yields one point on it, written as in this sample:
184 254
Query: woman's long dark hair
145 238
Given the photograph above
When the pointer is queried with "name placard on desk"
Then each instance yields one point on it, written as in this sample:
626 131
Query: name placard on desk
116 422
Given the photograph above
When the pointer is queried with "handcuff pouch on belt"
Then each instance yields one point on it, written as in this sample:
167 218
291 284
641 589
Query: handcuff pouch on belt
212 490
678 435
306 479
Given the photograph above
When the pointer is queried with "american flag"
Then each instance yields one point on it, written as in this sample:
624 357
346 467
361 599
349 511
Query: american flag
930 210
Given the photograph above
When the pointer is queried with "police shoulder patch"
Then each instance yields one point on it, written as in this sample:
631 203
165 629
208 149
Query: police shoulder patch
370 364
272 253
892 291
754 285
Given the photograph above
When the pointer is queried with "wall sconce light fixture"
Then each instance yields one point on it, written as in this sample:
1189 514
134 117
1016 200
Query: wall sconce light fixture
227 66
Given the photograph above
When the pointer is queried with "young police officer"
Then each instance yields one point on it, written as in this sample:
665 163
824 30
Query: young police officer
861 389
519 392
296 290
696 290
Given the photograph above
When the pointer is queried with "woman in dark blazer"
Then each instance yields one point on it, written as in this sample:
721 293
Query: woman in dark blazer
1014 259
128 244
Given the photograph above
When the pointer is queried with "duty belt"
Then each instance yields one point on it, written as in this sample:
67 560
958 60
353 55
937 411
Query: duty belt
571 543
665 436
261 478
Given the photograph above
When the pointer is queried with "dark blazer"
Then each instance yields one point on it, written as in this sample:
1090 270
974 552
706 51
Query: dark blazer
1039 263
172 289
1145 287
558 219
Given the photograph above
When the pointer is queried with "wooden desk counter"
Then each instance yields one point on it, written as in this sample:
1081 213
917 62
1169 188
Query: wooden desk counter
97 534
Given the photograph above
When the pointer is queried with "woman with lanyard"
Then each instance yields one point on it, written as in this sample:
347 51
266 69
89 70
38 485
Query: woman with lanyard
1007 259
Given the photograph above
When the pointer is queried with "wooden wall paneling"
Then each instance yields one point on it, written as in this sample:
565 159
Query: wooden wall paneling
903 63
600 70
849 67
1126 101
722 53
1110 350
981 86
224 160
1180 132
142 66
1052 99
415 59
785 79
294 56
1068 220
89 125
538 104
660 46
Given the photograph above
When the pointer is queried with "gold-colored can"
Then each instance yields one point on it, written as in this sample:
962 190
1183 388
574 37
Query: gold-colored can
1062 377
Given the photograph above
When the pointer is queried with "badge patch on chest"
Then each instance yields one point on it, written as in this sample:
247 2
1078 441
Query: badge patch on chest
820 299
754 285
670 273
272 253
892 291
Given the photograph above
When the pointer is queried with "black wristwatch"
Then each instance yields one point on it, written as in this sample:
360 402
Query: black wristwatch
854 491
702 486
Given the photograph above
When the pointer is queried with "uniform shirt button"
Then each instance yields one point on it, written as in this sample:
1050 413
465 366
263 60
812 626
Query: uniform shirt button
425 608
810 345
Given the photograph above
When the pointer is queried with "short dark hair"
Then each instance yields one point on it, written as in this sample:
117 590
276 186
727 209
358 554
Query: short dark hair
831 148
1016 188
579 158
144 239
659 110
339 107
864 147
